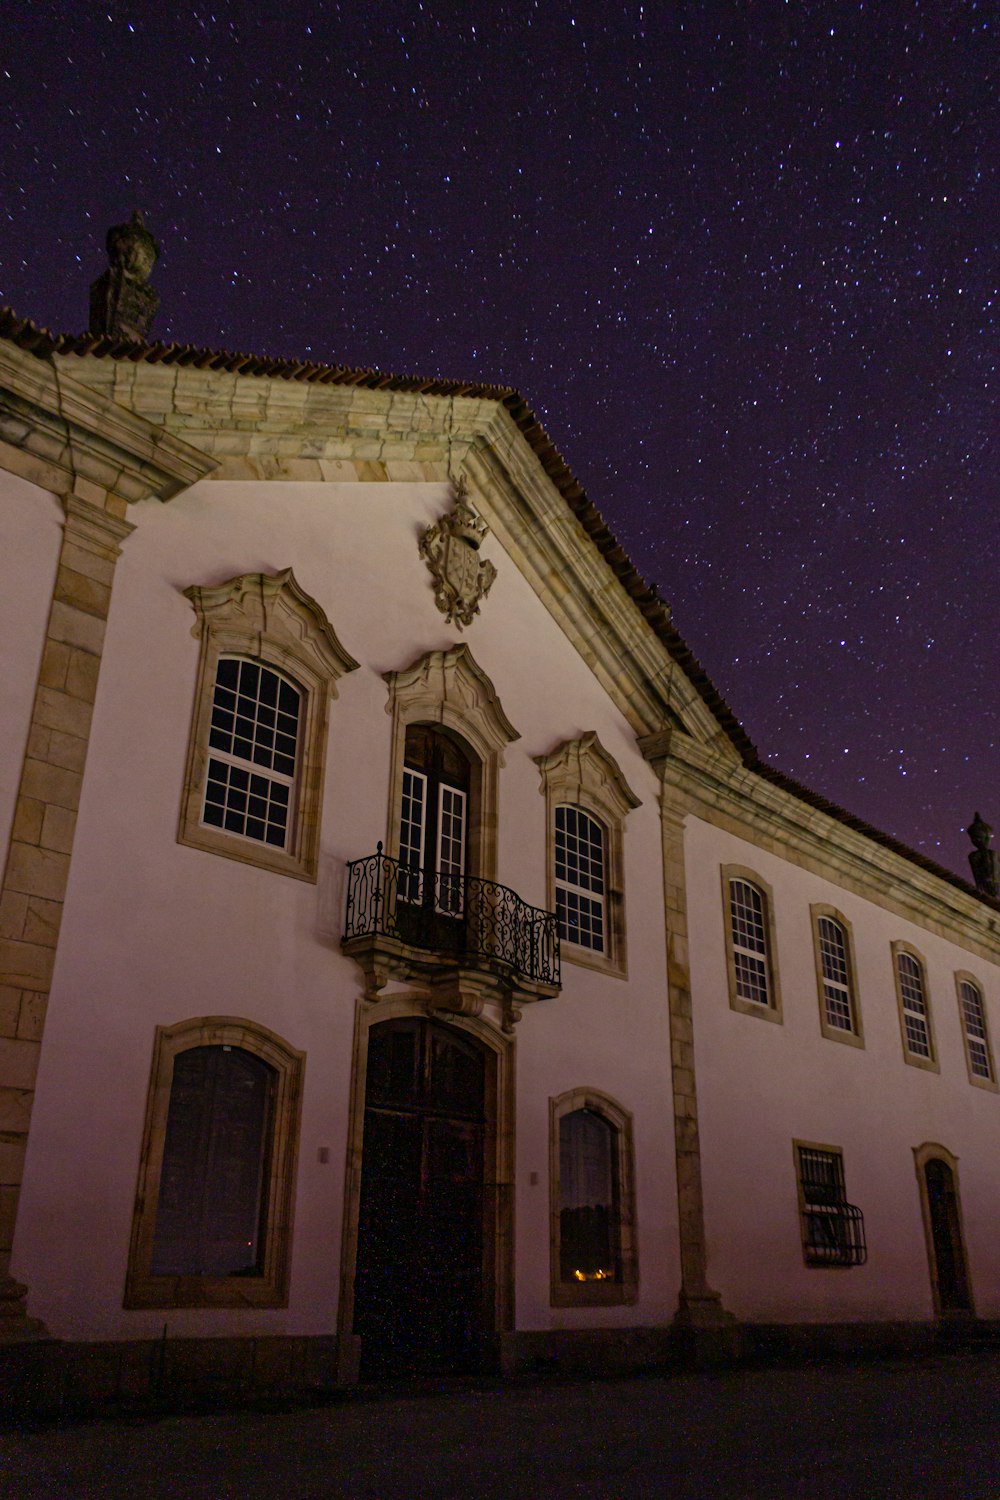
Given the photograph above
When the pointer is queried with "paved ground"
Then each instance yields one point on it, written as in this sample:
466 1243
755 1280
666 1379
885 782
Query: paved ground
919 1431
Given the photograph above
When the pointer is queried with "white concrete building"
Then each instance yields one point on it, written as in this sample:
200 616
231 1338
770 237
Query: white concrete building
405 955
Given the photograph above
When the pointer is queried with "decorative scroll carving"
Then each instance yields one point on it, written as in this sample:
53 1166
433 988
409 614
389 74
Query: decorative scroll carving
462 578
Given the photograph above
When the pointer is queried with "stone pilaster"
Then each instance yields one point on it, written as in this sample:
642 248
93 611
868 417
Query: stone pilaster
38 860
709 1331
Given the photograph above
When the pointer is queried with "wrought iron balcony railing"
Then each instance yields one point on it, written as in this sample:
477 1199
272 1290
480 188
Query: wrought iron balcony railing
460 915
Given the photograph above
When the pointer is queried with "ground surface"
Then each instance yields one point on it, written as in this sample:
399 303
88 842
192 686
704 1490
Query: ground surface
921 1430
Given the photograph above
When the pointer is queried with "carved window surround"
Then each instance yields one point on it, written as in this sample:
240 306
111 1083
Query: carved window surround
266 618
595 1293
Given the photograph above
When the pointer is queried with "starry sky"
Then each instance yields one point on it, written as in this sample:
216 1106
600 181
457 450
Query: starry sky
741 257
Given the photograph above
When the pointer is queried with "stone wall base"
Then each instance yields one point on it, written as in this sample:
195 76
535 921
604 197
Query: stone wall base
766 1343
586 1351
48 1379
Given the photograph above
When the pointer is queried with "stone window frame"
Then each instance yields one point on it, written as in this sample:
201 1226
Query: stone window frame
962 976
773 1011
856 1036
270 1289
595 1293
269 619
798 1146
581 773
450 690
930 1151
913 1059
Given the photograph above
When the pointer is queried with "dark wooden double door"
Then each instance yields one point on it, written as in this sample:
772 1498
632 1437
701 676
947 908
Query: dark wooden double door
423 1280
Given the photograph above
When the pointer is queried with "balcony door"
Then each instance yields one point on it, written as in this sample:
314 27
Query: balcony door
423 1283
433 838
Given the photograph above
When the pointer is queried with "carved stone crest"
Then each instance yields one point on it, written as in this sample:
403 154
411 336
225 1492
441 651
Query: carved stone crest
462 578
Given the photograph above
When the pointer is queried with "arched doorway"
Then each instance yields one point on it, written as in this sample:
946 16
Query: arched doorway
424 1291
951 1282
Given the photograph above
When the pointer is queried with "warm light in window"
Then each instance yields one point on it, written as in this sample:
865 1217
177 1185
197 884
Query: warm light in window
599 1275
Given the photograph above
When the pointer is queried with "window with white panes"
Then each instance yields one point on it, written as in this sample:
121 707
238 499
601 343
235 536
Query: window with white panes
913 1001
748 920
977 1042
253 751
580 878
837 1003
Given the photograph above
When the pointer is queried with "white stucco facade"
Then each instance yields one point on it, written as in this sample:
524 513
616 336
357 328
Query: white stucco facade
119 927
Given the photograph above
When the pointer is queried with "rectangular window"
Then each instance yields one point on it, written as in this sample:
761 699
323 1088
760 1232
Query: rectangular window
580 880
833 1230
451 848
412 830
253 743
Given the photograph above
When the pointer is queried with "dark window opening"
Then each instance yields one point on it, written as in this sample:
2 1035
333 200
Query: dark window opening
833 1230
589 1238
212 1206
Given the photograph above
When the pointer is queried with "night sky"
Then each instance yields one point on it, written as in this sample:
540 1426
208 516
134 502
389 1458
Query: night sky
741 258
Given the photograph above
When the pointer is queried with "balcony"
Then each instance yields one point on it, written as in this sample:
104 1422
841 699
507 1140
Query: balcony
468 939
834 1234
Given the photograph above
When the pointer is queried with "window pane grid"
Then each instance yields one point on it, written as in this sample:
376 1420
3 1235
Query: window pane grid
974 1019
451 848
411 835
255 724
746 908
836 981
580 878
911 988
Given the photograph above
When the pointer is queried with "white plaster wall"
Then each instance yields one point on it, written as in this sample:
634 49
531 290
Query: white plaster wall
761 1085
155 933
30 537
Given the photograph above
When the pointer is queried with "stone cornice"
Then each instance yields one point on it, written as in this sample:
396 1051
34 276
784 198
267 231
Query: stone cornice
705 785
67 431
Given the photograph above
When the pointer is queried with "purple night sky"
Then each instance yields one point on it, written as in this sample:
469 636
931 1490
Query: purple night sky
741 258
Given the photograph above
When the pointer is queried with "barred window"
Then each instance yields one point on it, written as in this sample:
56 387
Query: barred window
977 1044
837 1002
751 959
580 878
253 744
833 1230
913 998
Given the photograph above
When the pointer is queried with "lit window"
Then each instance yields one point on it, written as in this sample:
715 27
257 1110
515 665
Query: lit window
833 1230
977 1041
588 1199
593 1214
580 878
913 1000
253 742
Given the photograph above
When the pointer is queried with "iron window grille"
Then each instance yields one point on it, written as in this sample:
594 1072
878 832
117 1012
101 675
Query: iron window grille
460 915
833 1230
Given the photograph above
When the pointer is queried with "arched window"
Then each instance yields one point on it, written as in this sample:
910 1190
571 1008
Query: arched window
213 1212
914 1009
581 880
972 1013
839 1010
753 985
593 1255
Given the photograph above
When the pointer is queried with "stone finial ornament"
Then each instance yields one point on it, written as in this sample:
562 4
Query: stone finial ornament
985 861
462 578
122 303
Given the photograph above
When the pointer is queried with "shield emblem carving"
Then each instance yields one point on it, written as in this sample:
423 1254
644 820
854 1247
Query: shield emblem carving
462 578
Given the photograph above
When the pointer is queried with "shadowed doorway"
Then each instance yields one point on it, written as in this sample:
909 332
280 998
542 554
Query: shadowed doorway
423 1283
